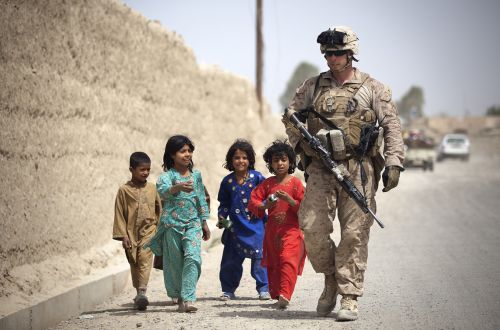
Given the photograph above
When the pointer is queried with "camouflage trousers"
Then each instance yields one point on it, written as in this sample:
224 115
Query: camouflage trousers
323 197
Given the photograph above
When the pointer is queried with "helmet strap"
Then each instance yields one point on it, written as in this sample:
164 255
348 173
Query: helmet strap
350 58
348 64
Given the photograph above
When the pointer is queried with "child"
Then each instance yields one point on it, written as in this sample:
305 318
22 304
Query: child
137 209
243 233
182 222
284 250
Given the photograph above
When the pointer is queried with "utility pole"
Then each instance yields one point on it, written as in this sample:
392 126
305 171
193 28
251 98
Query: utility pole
260 60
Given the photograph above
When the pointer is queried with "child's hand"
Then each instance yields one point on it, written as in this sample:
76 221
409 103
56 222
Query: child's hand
183 186
126 243
283 195
186 186
219 223
206 231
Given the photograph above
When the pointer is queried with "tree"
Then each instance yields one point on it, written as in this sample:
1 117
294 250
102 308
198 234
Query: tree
494 110
303 71
411 104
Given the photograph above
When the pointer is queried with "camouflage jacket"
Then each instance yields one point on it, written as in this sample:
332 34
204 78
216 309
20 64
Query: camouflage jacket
372 95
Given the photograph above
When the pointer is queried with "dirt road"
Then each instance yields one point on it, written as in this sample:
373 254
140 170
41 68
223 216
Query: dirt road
436 265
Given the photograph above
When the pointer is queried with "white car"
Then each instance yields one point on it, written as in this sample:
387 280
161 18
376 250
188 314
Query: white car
454 146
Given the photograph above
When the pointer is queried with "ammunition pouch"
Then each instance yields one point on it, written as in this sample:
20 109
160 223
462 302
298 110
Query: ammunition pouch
333 140
370 142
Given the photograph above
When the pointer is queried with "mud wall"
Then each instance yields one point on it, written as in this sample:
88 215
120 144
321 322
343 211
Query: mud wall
84 84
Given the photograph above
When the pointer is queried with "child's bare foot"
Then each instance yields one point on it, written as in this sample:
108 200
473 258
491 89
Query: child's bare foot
189 307
282 302
182 307
227 296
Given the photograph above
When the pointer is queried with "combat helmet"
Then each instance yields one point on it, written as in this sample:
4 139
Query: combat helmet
338 38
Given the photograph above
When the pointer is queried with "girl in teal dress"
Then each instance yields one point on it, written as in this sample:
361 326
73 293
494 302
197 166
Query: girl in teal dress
182 222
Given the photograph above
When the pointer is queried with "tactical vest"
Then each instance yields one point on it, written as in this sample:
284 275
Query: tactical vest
338 104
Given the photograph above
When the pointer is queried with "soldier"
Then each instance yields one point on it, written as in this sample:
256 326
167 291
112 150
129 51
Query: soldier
348 105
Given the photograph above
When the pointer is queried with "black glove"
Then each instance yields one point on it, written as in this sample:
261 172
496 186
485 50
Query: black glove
390 177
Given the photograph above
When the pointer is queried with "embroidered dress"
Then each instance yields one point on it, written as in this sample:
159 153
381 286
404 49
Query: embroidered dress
244 238
179 233
284 250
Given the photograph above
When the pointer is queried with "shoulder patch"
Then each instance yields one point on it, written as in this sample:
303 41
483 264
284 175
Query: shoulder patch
305 85
386 95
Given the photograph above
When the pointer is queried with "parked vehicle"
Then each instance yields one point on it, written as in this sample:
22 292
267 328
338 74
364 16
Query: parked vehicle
420 157
420 151
454 146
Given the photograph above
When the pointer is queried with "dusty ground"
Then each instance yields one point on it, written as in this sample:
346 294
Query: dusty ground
435 266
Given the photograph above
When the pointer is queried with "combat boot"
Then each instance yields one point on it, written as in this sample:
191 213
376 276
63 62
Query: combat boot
328 298
348 308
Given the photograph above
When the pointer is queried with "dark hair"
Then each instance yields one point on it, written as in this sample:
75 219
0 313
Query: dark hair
138 158
278 148
246 147
174 144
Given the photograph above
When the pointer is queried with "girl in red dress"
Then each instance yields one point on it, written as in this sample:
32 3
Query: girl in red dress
284 251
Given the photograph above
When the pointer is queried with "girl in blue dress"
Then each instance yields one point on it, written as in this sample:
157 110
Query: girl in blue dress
182 222
243 233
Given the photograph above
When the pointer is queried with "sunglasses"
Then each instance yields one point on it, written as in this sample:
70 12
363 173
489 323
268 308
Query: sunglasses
337 53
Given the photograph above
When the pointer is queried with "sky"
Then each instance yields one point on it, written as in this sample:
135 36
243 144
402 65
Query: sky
449 48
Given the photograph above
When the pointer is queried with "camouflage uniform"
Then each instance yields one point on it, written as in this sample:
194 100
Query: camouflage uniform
370 102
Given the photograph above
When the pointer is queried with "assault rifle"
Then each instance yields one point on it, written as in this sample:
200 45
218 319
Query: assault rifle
333 167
